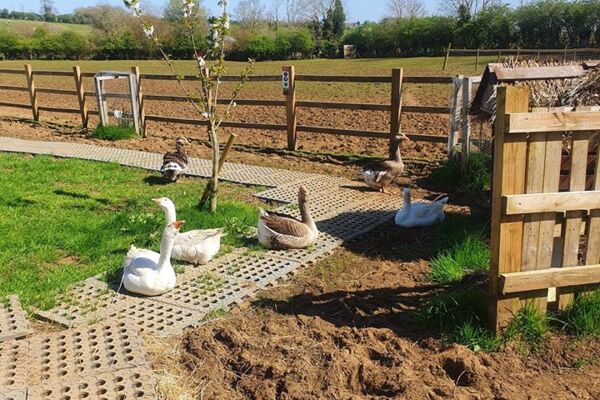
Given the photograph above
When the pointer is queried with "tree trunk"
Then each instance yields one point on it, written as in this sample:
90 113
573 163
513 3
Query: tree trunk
211 191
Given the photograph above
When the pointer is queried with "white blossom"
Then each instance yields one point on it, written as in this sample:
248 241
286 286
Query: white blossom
118 114
226 22
133 5
205 115
234 104
149 31
201 61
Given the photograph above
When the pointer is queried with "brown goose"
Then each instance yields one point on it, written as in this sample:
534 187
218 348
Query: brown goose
379 174
174 162
281 232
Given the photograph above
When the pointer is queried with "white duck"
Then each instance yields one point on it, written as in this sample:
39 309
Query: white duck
419 214
280 232
148 272
195 247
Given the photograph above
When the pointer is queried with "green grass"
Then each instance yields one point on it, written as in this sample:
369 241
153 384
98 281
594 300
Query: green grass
473 181
66 220
113 132
528 330
26 28
471 255
460 317
582 317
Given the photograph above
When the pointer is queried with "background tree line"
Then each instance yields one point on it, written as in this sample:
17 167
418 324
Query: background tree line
317 28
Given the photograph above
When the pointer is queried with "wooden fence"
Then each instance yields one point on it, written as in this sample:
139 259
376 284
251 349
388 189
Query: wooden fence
290 101
565 54
545 244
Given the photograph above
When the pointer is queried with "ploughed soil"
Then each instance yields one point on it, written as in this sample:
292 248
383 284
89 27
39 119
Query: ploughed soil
345 328
321 160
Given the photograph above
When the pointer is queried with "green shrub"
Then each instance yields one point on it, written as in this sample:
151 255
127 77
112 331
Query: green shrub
473 180
582 317
112 132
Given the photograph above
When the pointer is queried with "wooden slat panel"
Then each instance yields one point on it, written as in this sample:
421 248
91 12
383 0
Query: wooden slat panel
553 122
510 156
536 158
592 252
553 277
573 219
546 240
551 202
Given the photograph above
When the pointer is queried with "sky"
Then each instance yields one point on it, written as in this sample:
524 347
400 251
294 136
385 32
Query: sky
356 10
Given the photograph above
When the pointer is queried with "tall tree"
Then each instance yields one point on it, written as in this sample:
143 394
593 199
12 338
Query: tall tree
47 9
406 8
249 13
466 8
336 19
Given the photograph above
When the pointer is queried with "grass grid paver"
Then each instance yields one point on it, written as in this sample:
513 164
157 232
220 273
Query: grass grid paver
13 322
101 357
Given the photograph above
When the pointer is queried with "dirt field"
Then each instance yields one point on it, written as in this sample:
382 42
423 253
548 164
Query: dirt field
414 94
346 329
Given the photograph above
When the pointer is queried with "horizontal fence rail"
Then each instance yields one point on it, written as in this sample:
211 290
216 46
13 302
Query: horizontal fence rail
395 108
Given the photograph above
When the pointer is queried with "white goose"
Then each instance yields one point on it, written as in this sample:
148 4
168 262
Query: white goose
148 272
195 247
419 214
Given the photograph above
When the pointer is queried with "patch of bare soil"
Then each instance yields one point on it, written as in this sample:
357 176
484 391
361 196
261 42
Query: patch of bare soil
346 329
253 154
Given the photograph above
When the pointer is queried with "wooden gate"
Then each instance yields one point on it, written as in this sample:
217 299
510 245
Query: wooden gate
545 233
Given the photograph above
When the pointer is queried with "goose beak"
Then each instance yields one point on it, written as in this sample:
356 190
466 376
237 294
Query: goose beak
403 136
177 224
157 201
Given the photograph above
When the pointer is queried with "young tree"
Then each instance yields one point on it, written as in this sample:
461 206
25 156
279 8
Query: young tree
406 8
206 102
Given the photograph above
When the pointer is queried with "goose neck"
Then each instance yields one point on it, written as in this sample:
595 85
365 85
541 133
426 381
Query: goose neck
166 247
170 213
306 216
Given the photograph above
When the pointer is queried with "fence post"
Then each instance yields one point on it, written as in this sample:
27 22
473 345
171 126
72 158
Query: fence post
506 244
140 98
465 119
396 112
454 111
290 92
499 55
447 56
80 95
32 92
477 60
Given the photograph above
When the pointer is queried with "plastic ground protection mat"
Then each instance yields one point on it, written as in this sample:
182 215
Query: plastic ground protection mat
13 322
14 395
260 268
125 384
93 301
264 176
208 292
101 361
288 192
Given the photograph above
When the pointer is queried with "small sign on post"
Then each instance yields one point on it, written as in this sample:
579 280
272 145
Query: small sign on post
285 81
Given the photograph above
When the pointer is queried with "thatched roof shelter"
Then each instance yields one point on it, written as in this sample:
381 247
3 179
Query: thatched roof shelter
551 84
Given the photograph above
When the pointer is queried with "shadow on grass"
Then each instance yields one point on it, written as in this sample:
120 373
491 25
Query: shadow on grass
155 180
80 196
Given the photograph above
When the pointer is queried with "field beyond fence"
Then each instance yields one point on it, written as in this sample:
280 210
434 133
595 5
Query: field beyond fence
290 102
